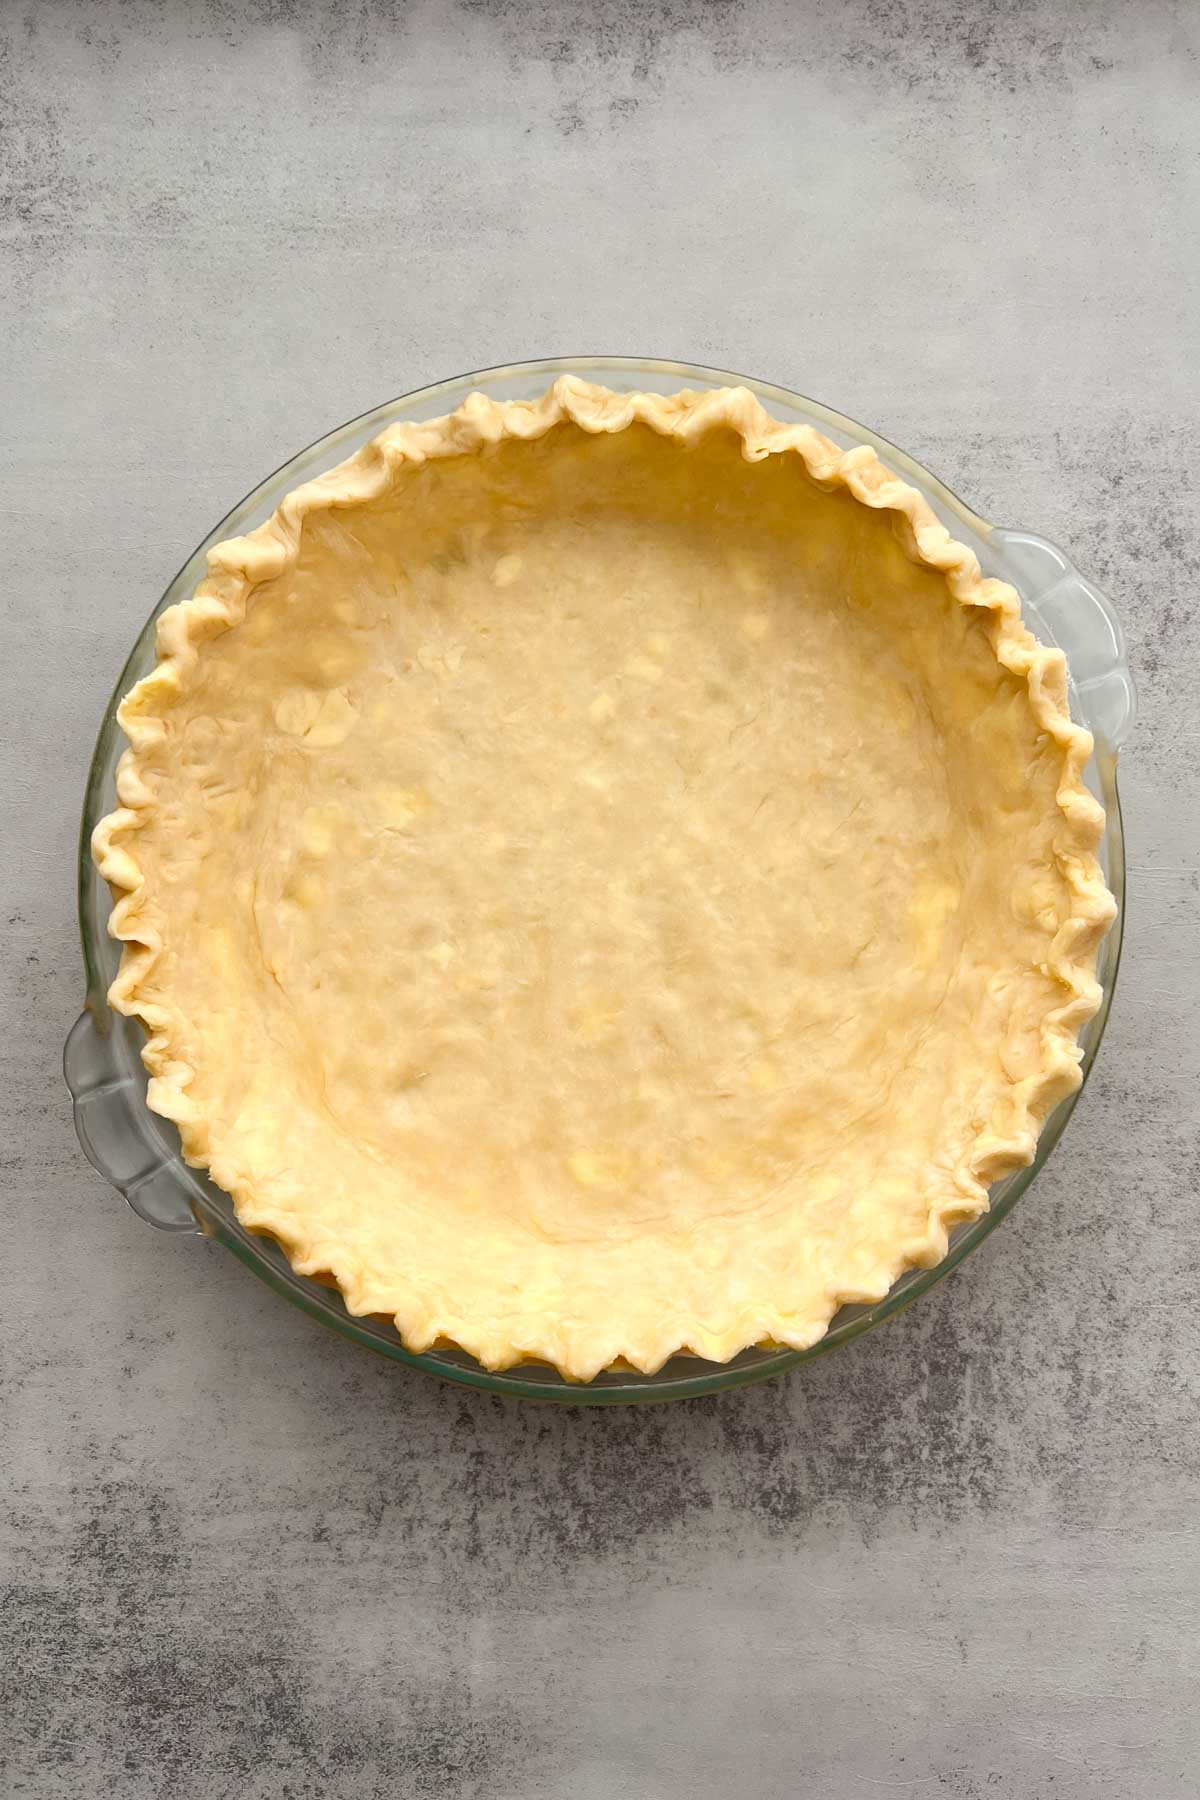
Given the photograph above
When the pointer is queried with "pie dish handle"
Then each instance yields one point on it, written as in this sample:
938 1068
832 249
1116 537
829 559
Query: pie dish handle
117 1133
1082 622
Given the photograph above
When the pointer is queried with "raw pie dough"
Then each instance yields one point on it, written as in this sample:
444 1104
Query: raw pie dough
605 876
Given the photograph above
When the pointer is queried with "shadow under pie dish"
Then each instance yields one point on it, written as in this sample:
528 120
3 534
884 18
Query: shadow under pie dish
605 876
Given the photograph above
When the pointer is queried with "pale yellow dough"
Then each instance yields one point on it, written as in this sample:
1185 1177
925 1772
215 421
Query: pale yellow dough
605 876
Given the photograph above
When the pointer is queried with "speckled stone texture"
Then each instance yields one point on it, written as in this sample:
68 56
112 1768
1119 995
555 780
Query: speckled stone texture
245 1559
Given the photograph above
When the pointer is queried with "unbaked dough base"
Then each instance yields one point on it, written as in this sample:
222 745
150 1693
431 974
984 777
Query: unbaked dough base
603 893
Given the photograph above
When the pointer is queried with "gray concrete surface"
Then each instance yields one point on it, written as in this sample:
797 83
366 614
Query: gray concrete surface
243 1558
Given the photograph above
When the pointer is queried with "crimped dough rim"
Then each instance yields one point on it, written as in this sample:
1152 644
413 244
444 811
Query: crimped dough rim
238 565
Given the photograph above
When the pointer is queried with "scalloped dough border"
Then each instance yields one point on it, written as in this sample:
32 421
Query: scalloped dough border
235 568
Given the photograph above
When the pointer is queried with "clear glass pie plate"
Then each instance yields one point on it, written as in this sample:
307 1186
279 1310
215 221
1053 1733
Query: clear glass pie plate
139 1152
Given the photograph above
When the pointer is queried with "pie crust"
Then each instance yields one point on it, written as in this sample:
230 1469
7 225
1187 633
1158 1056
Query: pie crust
605 876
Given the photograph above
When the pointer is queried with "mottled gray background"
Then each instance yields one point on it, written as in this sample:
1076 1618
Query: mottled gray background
243 1557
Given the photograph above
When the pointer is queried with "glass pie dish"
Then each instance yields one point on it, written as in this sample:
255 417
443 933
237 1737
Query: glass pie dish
139 1152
